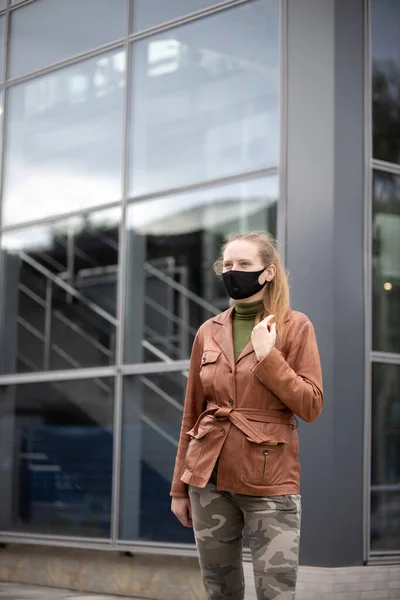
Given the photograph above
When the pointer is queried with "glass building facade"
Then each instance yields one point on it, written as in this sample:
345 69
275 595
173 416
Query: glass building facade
135 135
130 148
385 275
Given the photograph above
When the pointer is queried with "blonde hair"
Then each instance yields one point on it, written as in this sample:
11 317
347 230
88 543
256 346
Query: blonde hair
276 298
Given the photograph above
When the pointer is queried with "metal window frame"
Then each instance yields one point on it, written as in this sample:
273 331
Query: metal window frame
163 193
371 557
128 37
119 370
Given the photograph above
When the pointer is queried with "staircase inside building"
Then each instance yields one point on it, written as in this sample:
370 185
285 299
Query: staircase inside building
65 456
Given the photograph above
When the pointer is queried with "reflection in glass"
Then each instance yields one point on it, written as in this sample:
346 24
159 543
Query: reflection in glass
206 104
58 294
147 13
152 417
172 244
49 31
385 25
385 480
3 4
64 140
56 448
386 262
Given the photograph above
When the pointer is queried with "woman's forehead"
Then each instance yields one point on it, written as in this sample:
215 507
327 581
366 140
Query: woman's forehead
241 249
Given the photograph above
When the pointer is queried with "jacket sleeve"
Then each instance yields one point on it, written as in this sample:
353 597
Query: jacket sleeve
297 381
193 407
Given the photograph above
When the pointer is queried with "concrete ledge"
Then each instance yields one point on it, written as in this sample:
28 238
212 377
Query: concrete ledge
157 577
147 576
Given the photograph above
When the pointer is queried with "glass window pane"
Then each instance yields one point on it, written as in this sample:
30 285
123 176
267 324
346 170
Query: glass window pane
64 140
206 99
385 498
152 417
172 244
386 262
385 24
56 444
58 294
148 13
3 4
49 31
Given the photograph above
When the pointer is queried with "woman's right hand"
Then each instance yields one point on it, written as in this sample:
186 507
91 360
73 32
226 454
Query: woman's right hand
182 510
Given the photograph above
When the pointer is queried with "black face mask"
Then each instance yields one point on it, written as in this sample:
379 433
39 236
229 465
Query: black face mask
242 284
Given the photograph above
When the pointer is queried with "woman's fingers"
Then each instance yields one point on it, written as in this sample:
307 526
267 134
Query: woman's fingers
182 510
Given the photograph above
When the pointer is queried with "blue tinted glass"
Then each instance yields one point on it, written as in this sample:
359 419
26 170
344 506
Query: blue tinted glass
56 443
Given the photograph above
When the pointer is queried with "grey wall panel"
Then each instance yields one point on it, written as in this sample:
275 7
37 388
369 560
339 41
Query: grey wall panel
317 240
310 207
348 285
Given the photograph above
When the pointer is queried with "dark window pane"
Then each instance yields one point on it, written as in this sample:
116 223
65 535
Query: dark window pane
147 13
206 99
56 444
386 79
172 244
58 294
49 31
64 140
385 499
386 262
151 424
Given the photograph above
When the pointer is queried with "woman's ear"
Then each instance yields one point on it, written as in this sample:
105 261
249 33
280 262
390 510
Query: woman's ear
270 273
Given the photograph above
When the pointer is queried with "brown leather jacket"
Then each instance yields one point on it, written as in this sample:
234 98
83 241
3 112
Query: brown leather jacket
243 412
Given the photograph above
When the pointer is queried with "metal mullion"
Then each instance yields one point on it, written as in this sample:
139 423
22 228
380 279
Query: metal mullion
62 216
385 553
121 294
192 187
155 367
389 358
206 184
386 167
72 60
53 376
283 115
5 107
55 540
121 41
367 285
383 557
19 4
188 18
105 544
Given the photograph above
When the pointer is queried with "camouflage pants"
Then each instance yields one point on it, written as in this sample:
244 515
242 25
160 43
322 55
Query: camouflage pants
273 528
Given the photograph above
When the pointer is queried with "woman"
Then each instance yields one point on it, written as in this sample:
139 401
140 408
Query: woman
253 367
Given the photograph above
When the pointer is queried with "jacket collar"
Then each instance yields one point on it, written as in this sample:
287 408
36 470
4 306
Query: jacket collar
226 316
223 335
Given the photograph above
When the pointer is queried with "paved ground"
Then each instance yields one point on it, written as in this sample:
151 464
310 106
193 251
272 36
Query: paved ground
16 591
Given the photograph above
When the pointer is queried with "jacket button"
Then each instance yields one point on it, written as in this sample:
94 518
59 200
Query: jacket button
222 430
230 402
266 452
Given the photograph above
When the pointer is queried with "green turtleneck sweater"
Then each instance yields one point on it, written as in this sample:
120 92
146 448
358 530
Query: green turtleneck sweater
244 317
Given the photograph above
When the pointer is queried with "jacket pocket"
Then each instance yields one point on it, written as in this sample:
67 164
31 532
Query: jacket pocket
195 447
208 367
264 463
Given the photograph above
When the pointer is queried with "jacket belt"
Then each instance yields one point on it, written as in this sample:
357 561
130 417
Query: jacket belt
242 417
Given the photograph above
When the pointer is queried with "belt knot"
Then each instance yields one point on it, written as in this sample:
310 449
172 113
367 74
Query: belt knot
223 413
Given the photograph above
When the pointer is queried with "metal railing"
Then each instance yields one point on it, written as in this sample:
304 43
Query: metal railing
55 280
